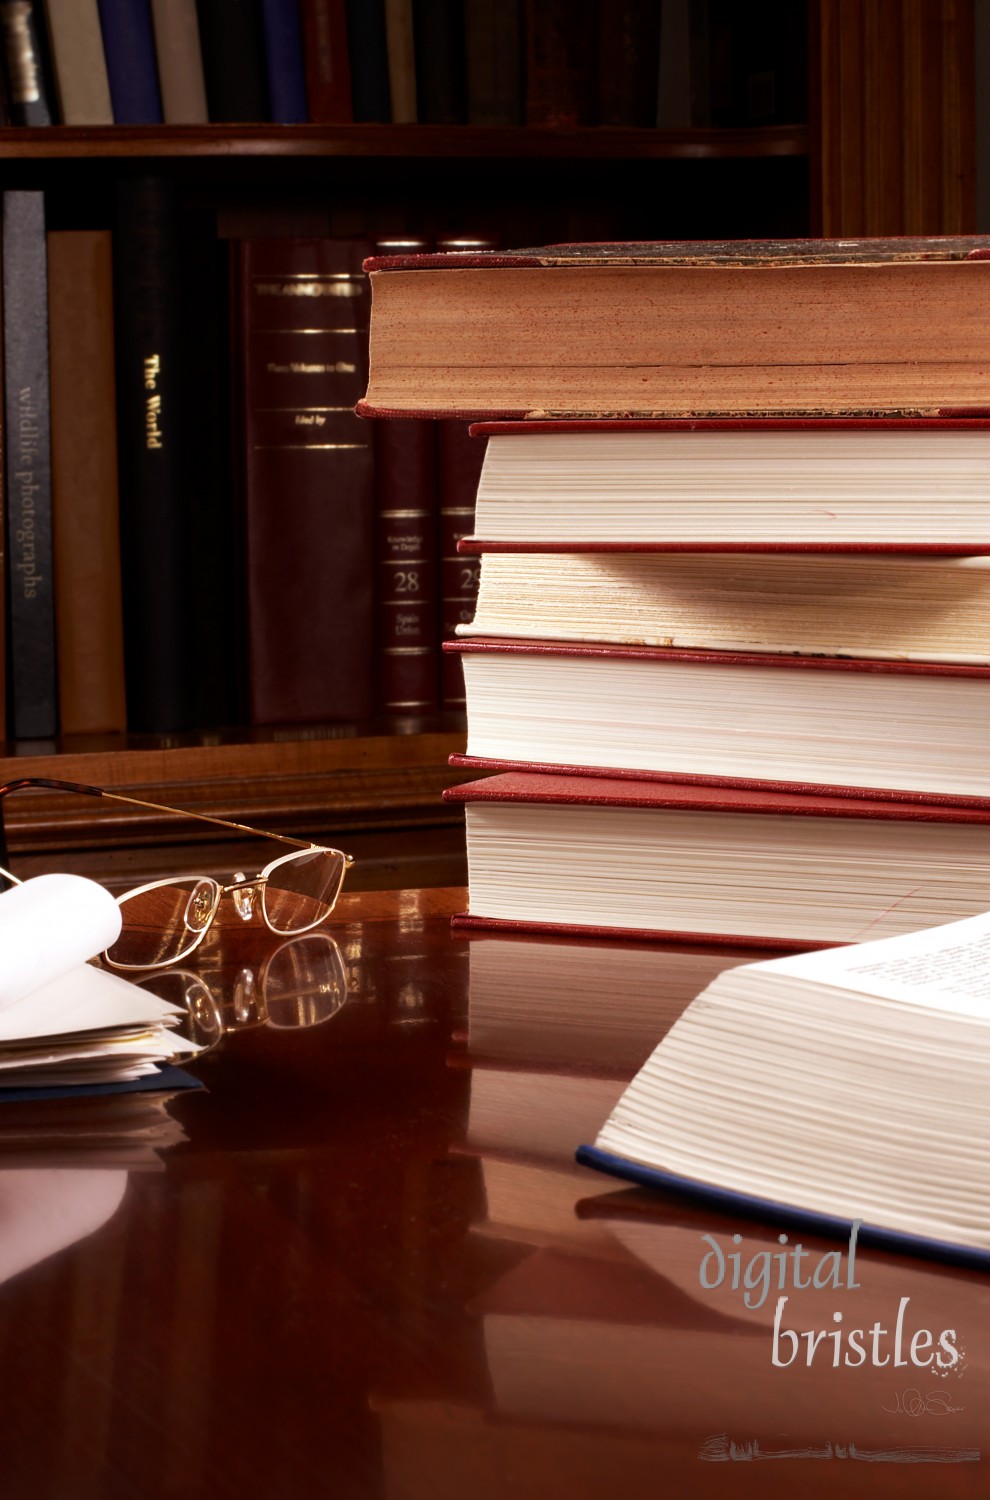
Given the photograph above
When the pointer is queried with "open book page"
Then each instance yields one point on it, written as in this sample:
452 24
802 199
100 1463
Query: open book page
49 925
944 968
84 999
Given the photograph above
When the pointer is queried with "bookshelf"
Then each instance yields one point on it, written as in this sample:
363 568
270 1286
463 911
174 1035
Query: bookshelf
888 148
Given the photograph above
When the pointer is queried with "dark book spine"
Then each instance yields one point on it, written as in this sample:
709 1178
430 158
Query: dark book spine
156 519
31 608
459 464
406 503
308 480
284 57
560 49
129 48
27 88
367 47
440 61
493 62
628 62
234 66
328 69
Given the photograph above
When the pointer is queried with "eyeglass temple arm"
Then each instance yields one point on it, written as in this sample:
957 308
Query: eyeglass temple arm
95 791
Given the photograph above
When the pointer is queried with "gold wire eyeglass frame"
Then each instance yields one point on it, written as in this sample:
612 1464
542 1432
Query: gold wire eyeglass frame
240 887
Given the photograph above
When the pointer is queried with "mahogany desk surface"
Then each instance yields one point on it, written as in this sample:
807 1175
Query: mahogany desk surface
362 1277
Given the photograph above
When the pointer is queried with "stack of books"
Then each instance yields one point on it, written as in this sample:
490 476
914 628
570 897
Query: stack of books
731 658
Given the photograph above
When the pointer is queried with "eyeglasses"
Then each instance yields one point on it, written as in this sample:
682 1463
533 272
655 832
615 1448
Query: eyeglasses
166 920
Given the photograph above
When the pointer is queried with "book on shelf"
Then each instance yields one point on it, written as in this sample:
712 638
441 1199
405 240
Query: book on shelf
302 323
326 61
904 730
64 1023
367 52
180 61
234 61
602 856
561 37
85 511
493 62
628 62
172 462
439 45
844 1087
282 26
78 62
710 485
459 459
28 92
400 44
131 63
406 530
799 327
28 497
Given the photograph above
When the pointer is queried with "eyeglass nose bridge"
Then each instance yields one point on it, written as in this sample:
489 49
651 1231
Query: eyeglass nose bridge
244 893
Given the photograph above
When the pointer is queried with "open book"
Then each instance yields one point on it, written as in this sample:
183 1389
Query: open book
847 1085
62 1021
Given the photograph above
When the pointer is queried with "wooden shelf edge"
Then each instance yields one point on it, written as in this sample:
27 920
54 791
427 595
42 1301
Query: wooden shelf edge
441 142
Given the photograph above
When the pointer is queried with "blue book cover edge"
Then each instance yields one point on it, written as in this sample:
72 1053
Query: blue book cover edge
729 1201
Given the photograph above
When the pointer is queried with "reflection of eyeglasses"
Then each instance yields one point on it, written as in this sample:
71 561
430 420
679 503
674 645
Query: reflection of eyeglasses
166 920
302 983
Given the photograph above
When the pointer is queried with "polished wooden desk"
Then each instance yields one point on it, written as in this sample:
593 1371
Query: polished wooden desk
362 1275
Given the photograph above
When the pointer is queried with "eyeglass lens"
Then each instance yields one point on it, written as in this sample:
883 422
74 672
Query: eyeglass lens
301 891
163 924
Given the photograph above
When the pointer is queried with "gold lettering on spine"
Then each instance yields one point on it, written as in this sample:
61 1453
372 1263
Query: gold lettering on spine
153 435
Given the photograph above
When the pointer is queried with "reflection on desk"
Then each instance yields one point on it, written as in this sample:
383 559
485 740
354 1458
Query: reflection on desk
369 1273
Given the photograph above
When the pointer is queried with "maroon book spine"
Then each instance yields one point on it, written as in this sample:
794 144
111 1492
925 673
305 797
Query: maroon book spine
560 47
406 538
328 69
308 480
460 458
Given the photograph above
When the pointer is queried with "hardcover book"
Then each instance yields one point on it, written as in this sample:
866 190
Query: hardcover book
801 327
31 594
603 857
892 1033
789 485
890 728
308 480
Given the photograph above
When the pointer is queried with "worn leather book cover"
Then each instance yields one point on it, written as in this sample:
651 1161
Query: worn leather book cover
308 480
31 603
85 521
731 328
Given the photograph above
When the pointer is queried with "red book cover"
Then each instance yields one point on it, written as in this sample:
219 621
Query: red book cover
833 672
308 480
615 793
328 72
675 428
560 43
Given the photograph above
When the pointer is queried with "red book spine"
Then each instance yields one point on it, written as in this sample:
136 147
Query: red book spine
406 497
460 458
328 69
308 480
